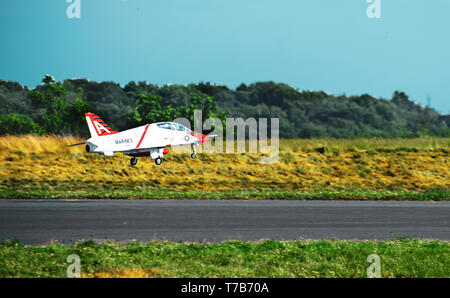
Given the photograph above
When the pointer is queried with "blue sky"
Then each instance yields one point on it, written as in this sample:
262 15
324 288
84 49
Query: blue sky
324 45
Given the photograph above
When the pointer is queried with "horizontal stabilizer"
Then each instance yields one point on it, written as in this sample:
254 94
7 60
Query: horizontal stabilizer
78 144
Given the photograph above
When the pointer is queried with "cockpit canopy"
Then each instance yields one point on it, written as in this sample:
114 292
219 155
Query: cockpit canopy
173 126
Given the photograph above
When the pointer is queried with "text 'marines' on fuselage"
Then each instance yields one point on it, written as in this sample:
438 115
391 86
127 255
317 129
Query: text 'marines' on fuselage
150 140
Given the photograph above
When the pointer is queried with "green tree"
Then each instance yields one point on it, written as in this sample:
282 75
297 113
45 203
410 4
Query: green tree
76 117
150 109
58 116
18 124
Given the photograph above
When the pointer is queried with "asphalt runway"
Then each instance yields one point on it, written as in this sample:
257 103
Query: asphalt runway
39 221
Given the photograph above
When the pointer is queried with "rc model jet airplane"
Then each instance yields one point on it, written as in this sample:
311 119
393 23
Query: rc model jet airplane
152 140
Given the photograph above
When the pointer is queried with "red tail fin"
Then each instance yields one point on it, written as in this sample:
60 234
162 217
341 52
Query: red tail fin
97 126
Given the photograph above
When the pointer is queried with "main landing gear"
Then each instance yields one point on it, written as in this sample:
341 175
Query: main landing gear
133 161
158 160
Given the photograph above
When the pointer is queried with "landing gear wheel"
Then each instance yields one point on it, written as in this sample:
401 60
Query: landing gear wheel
158 161
133 161
194 151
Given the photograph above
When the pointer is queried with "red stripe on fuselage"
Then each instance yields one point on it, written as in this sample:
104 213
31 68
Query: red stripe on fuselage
143 135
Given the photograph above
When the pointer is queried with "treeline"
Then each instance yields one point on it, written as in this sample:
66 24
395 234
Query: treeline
59 107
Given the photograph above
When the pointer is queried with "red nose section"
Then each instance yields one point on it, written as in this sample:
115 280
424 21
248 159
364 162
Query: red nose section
201 137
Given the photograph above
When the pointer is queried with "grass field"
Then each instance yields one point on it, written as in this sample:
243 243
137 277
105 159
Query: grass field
331 258
362 169
44 167
33 166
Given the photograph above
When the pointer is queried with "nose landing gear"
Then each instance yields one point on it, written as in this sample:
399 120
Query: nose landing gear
194 153
158 161
133 161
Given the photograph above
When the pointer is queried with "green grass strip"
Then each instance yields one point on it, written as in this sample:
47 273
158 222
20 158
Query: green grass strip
431 195
325 258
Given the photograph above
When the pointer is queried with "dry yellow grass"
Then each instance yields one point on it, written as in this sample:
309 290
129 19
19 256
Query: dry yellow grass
124 273
374 164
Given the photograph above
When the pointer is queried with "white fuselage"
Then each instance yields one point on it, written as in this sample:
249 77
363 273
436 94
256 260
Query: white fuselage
140 139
